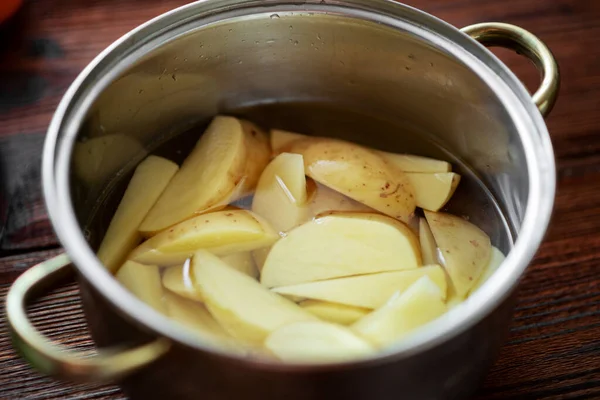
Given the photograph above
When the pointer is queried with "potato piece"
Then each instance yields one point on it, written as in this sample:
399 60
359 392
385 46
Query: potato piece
358 173
496 259
368 291
340 245
432 191
281 192
243 262
258 153
281 140
221 232
333 312
428 245
144 282
179 280
411 163
403 313
325 199
315 342
147 183
218 162
246 309
464 249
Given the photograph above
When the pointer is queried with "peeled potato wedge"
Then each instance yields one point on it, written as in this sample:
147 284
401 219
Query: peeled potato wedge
242 262
147 183
316 341
338 245
464 249
179 279
281 140
428 246
333 312
368 291
496 259
221 232
144 282
411 163
432 191
403 313
245 308
219 161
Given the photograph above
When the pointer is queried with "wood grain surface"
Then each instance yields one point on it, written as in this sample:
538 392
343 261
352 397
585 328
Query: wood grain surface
554 348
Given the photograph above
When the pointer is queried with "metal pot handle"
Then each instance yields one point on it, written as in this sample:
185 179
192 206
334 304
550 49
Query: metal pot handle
492 34
53 359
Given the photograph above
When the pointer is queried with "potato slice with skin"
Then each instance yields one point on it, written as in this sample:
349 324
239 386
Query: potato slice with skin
316 341
258 153
242 262
368 291
179 279
211 171
147 183
221 232
496 259
403 313
245 308
428 246
333 312
281 140
281 192
325 199
358 173
412 163
144 282
464 249
432 191
341 244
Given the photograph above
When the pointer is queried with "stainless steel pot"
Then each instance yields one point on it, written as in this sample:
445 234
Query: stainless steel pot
373 71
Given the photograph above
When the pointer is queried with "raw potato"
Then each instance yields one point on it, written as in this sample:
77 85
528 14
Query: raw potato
496 259
247 310
411 163
368 291
325 199
144 282
432 191
281 140
218 162
258 153
403 313
243 262
221 232
464 249
280 195
428 246
179 279
358 173
338 245
333 312
147 183
316 341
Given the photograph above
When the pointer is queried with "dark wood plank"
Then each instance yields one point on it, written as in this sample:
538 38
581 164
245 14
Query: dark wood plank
554 347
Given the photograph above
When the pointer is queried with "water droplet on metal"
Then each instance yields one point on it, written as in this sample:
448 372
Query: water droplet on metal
295 43
274 16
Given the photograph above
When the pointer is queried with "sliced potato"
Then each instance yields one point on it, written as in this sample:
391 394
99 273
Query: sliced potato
221 232
179 279
324 199
338 245
333 312
258 153
358 173
144 282
368 291
432 191
464 249
147 183
496 259
411 163
245 308
243 262
403 313
281 192
281 140
316 341
209 174
428 245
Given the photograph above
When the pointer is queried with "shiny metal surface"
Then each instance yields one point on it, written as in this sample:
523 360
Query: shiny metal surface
376 60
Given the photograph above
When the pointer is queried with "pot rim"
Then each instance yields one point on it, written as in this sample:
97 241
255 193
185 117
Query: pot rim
122 53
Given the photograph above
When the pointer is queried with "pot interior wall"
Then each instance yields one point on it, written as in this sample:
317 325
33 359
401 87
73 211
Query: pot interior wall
320 74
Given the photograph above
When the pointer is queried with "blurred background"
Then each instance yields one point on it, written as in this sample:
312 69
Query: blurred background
554 348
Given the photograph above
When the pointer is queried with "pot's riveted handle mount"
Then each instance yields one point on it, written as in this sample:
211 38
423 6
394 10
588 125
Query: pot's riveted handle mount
509 36
52 359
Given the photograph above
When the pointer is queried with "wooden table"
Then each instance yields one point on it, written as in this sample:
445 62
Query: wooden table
554 348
